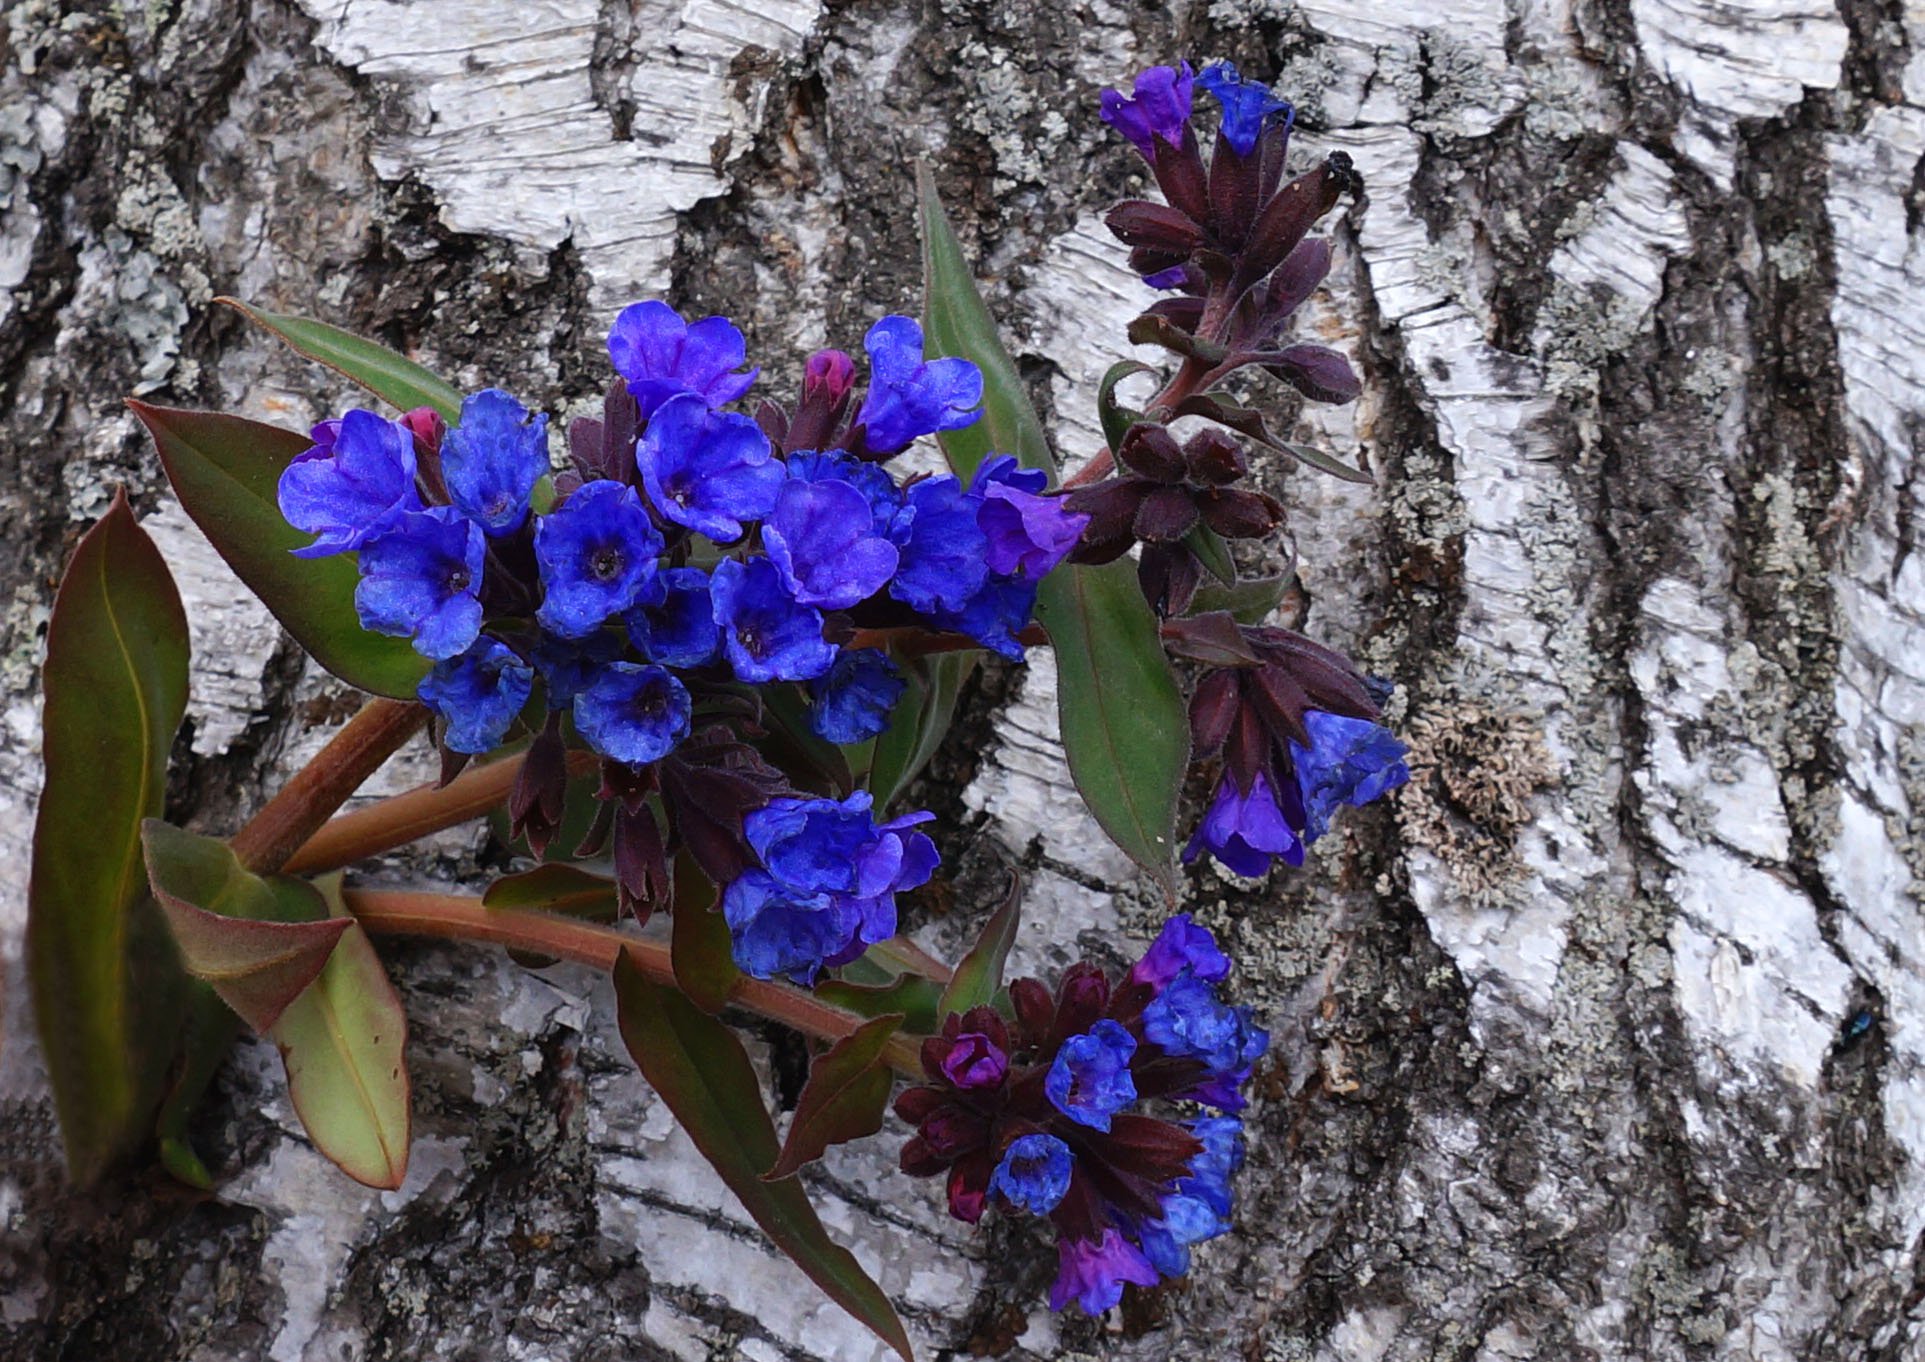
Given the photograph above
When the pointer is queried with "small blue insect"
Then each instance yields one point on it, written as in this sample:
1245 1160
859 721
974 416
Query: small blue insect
1857 1026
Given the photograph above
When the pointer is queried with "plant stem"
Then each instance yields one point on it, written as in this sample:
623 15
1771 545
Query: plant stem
450 917
402 818
308 800
1104 461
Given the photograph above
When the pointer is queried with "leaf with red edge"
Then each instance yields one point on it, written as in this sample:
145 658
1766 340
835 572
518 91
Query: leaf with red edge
109 998
699 947
556 888
844 1098
702 1072
390 376
979 975
917 999
226 471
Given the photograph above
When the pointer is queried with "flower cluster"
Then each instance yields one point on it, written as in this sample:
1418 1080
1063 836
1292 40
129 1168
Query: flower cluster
686 553
1044 1113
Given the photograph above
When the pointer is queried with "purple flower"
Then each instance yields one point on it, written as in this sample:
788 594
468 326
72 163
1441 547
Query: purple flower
597 554
1246 830
942 548
679 629
822 537
1092 1271
493 459
477 694
355 482
422 580
853 700
909 397
1159 107
1028 534
634 714
995 615
1089 1081
1247 105
1349 761
661 355
1034 1173
1179 946
708 470
768 634
872 480
1187 1021
975 1061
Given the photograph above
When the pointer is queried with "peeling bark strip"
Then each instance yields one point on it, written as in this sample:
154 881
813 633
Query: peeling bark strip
1564 1063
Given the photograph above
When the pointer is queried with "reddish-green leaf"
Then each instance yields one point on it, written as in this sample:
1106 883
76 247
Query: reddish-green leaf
843 1100
343 1042
916 999
1125 727
917 724
1250 601
980 974
702 1072
392 377
258 941
556 888
1117 419
108 994
225 470
699 947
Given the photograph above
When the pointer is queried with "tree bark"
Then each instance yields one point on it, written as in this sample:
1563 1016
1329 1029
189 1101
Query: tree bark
1562 1061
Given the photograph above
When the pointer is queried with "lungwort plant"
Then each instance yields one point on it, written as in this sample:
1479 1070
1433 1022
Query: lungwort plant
694 664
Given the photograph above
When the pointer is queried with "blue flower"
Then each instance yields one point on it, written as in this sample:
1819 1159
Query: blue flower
568 665
493 459
1186 1220
1089 1081
777 929
995 616
355 482
679 629
872 480
477 694
1246 830
852 702
708 470
908 397
1028 534
768 634
942 548
597 553
1188 1022
1092 1271
1158 107
1179 946
1349 761
822 537
661 355
632 713
422 580
1034 1173
837 846
1247 105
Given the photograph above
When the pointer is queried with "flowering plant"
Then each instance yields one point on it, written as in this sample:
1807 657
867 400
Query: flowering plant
697 667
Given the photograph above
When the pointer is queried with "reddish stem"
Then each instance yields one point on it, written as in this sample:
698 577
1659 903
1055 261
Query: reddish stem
307 801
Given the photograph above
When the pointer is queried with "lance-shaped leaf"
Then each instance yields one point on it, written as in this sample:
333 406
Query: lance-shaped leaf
1212 552
108 995
556 888
225 470
918 1000
1214 639
1249 601
258 941
392 377
844 1098
702 1072
343 1042
1116 419
699 947
918 723
979 975
1125 729
1250 422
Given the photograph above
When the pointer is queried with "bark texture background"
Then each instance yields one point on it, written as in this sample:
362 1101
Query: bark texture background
1561 1067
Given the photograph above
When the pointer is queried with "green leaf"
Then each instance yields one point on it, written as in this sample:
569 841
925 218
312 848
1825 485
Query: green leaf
108 995
1125 728
1248 421
258 941
699 947
918 723
343 1041
915 998
794 746
1212 552
394 378
225 470
843 1100
979 976
556 888
1117 420
702 1072
1250 601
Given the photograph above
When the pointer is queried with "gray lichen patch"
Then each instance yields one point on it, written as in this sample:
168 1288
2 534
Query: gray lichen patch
1475 769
